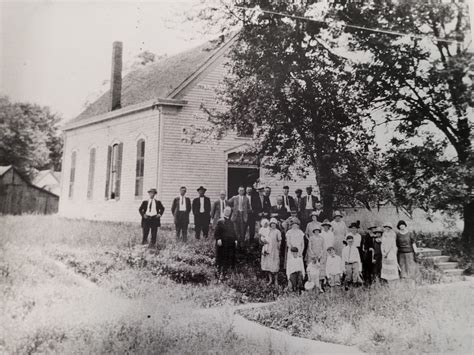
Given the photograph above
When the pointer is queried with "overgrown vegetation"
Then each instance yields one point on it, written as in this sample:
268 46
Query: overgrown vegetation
396 319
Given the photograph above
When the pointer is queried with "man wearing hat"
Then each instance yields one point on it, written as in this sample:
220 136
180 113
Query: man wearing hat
151 211
202 213
267 203
180 209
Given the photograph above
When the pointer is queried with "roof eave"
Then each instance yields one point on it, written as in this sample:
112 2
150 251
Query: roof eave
150 104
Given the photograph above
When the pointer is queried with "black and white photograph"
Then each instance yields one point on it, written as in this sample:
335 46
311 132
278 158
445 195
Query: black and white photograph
236 177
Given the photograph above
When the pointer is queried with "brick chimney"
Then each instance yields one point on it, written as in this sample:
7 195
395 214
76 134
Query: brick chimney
116 77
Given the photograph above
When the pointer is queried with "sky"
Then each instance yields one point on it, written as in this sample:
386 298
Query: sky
58 53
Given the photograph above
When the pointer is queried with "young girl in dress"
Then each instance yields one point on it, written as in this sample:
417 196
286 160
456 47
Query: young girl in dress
389 253
317 250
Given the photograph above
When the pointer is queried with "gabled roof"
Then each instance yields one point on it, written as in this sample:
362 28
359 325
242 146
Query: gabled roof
161 80
42 173
4 169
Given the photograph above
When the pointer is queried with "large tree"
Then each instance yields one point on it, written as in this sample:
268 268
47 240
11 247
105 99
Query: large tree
422 83
303 105
29 137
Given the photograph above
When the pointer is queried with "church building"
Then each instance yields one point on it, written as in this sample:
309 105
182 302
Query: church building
134 138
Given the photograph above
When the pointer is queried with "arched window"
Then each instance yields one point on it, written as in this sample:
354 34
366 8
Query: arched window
72 174
140 168
90 179
114 171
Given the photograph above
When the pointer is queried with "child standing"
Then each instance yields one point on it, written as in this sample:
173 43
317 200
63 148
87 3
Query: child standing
314 271
351 260
334 268
295 270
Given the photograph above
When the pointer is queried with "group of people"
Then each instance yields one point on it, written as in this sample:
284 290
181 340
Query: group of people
294 236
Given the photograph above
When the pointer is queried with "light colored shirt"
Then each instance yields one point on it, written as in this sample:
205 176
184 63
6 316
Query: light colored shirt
328 238
182 203
350 254
201 204
309 202
339 229
334 265
151 211
286 203
294 264
222 202
240 202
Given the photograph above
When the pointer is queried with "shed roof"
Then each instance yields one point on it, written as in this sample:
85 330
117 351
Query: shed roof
158 80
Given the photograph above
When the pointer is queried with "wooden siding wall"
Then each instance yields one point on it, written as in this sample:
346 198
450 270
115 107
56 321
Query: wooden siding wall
17 196
193 165
127 130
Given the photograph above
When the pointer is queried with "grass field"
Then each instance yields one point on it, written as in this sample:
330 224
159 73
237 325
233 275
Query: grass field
88 287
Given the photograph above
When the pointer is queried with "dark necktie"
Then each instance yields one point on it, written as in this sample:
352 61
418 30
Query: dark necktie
151 203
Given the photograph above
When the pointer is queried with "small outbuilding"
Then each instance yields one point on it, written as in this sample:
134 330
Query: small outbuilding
18 195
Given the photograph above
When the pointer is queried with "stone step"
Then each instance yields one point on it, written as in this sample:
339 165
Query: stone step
453 272
447 265
439 258
429 252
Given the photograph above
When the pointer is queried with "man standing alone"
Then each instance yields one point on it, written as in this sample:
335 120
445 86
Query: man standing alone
180 209
202 213
151 211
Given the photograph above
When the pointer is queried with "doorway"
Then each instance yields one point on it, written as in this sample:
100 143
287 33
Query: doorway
240 176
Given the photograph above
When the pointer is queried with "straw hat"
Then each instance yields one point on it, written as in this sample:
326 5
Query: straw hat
338 213
318 228
309 285
388 224
326 223
274 220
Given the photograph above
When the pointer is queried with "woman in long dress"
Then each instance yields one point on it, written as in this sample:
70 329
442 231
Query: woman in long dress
317 251
271 239
339 229
389 254
294 238
406 251
327 233
311 225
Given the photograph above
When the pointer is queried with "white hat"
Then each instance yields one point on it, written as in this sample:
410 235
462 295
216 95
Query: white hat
263 221
309 285
388 224
338 213
274 220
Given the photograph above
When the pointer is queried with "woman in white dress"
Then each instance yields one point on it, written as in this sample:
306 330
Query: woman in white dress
294 238
327 233
339 229
271 239
389 253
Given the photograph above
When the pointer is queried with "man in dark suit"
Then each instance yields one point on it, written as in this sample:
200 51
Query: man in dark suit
240 210
288 201
279 211
267 203
226 241
309 205
151 211
202 213
180 209
218 207
253 215
299 203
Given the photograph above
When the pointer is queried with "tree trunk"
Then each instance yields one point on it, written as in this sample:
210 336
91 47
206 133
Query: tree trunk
468 232
326 188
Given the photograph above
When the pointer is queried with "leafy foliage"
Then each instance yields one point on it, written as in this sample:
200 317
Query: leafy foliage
29 137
